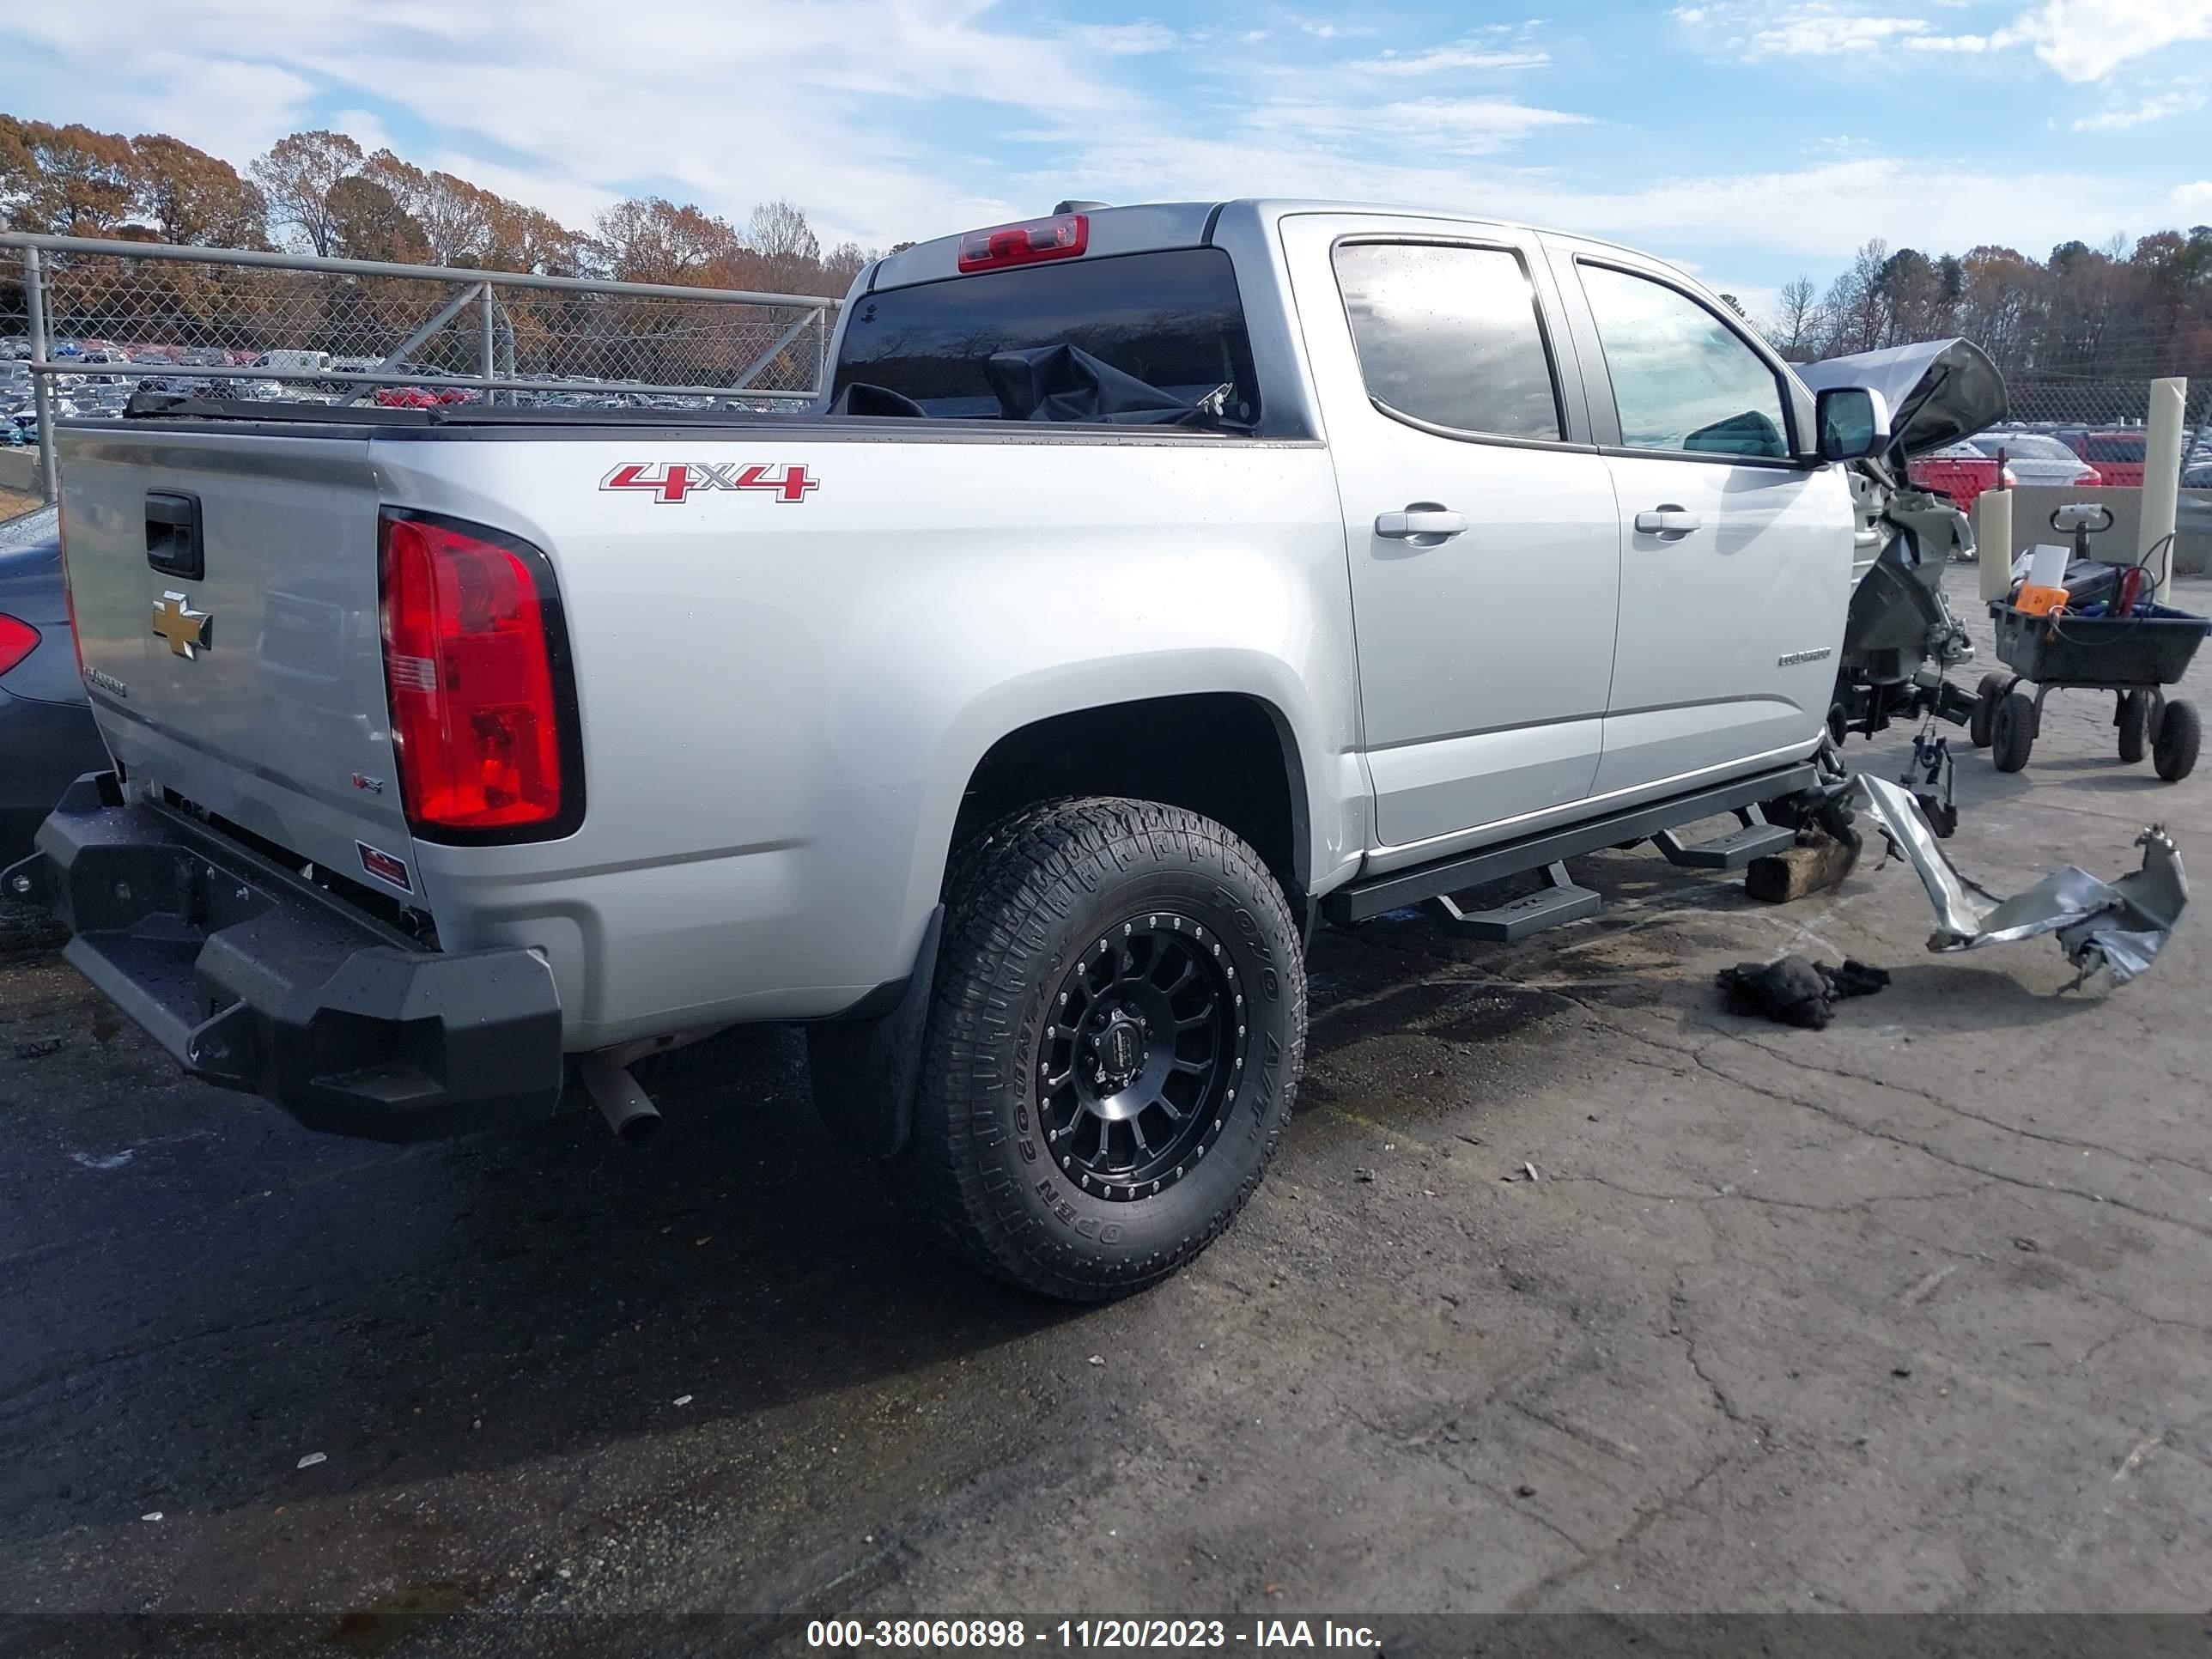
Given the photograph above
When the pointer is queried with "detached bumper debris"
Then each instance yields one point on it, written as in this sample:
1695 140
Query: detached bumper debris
2117 925
1794 991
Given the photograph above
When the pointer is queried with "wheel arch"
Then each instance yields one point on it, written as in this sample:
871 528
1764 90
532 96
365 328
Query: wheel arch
1233 757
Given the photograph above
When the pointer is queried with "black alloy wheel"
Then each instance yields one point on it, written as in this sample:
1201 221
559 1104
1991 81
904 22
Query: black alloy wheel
1141 1056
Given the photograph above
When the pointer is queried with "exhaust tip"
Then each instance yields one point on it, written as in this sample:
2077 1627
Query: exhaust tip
641 1130
628 1111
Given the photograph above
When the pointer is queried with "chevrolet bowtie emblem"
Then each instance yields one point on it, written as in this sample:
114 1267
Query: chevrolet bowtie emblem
185 629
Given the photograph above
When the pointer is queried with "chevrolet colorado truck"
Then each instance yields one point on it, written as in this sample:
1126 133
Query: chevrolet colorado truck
1151 584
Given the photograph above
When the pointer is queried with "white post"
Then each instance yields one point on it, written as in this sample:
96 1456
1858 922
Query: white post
2161 481
1993 548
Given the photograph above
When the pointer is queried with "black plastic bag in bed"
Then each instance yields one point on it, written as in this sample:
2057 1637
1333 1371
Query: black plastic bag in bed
1066 383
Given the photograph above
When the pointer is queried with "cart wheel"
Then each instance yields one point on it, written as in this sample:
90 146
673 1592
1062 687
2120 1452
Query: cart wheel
1986 697
2174 754
2134 721
2012 731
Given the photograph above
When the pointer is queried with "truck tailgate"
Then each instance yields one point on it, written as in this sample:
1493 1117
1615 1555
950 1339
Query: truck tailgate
244 673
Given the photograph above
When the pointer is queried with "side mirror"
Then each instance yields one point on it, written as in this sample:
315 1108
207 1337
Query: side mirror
1852 421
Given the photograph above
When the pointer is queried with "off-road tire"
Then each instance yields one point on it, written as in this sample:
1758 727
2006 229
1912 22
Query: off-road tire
2133 719
2179 736
2012 733
1027 900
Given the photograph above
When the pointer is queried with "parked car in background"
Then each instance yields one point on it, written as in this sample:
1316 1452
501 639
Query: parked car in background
2117 453
1964 469
46 725
1960 471
2037 459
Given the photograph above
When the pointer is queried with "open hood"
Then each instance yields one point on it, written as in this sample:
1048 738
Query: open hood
1938 392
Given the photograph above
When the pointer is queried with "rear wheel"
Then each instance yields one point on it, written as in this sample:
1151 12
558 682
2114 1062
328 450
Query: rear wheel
2012 733
2133 719
1113 1042
2179 733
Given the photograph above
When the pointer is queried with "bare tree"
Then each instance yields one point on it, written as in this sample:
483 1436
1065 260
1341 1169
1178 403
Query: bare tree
779 232
1797 319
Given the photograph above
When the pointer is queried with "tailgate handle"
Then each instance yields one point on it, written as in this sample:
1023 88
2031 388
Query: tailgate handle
174 545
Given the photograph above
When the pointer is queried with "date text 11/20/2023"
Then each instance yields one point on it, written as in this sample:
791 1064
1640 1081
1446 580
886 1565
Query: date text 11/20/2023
1085 1634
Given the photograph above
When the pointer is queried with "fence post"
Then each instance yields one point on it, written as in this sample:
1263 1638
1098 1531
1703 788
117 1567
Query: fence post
42 397
1993 548
2162 476
488 348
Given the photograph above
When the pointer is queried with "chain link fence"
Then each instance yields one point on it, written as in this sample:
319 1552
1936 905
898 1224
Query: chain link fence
90 318
2060 402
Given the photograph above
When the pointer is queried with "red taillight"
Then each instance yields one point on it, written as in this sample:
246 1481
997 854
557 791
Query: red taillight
481 714
2087 478
1063 236
18 638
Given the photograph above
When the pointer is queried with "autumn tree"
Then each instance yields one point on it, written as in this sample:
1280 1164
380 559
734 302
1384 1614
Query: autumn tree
186 195
298 174
63 182
651 240
368 222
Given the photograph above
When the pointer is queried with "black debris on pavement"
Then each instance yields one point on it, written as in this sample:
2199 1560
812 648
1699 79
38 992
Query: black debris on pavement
1793 991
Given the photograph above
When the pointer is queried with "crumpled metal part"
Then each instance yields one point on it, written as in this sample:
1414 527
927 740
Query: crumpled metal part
2117 926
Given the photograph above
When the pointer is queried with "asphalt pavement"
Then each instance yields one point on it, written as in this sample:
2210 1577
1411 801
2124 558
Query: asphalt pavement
1569 1291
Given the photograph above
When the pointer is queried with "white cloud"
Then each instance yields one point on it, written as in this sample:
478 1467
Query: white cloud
2155 107
365 127
2088 40
1811 28
1125 39
2079 40
1463 55
1434 127
2193 196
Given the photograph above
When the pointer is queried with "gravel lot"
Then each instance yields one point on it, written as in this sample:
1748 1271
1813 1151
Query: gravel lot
1909 1314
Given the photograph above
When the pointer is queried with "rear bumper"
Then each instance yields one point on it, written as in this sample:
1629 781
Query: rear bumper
260 981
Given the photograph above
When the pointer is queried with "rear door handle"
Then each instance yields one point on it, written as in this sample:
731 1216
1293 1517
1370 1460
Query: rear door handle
1669 520
174 544
1419 521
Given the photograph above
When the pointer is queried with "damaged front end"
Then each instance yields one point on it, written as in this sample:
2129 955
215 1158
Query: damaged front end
2119 926
1901 636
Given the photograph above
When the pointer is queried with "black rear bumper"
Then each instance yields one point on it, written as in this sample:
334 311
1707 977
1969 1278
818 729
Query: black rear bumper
256 980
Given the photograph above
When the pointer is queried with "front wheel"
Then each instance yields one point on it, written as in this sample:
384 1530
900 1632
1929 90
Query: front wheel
2012 733
2180 735
1113 1042
1987 696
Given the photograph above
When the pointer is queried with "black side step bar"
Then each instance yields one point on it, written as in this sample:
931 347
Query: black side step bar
1555 904
1755 840
1364 901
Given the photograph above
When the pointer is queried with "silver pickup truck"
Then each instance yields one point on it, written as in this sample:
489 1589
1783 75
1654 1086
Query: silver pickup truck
1152 584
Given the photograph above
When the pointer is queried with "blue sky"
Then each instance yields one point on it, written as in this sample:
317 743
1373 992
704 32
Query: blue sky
1752 142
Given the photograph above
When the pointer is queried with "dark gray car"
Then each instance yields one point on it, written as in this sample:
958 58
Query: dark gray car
46 733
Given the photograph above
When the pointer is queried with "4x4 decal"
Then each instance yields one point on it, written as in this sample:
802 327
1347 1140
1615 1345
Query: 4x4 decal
673 481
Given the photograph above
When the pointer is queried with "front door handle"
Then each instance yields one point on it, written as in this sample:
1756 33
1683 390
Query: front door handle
1436 521
1669 520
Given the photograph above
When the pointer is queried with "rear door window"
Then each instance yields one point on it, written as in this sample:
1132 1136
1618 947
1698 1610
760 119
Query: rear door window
1682 379
1448 336
1172 317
